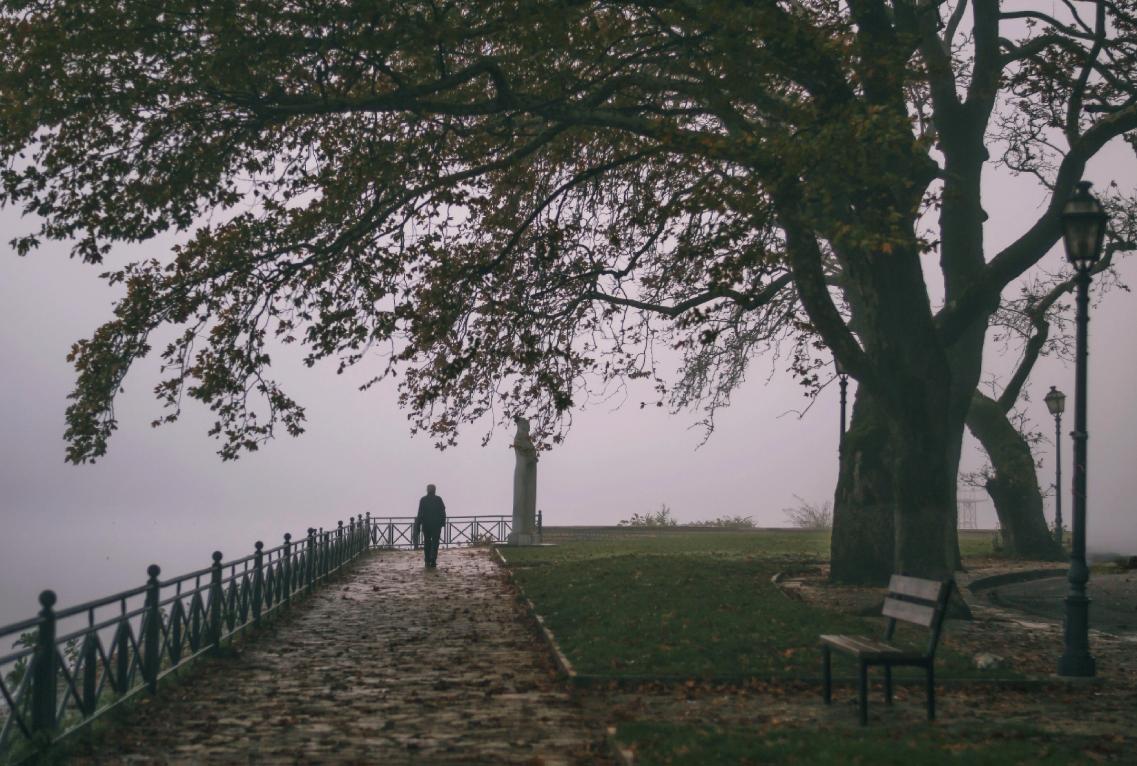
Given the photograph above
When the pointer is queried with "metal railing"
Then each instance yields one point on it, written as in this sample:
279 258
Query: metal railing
398 531
73 665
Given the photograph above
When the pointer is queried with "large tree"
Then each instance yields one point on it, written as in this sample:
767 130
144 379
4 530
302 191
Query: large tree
507 198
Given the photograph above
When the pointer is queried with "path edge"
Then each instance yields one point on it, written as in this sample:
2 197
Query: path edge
562 662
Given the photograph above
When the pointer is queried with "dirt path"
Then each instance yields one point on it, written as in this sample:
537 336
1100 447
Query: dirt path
396 665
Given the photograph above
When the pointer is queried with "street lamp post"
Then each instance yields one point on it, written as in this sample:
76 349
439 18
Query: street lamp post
843 382
1083 229
1056 403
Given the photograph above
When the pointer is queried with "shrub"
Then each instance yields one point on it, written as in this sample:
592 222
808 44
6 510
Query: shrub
726 522
661 518
809 515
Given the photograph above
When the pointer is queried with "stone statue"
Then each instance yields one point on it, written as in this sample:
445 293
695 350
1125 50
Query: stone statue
524 487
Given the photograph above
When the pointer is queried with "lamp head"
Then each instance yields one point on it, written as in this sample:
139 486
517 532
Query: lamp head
1055 401
1083 227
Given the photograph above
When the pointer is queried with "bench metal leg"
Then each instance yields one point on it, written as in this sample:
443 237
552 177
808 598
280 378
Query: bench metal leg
888 684
826 678
863 693
931 692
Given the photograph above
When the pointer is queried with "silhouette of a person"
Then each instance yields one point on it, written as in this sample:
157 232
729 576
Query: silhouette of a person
430 519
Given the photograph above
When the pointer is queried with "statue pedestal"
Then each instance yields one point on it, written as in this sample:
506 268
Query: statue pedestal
521 538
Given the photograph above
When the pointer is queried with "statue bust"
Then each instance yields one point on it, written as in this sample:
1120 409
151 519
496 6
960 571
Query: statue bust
524 485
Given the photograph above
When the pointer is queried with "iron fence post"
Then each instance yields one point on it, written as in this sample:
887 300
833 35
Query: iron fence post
152 630
175 634
258 581
216 596
122 653
390 534
311 562
370 535
44 670
339 545
90 671
287 567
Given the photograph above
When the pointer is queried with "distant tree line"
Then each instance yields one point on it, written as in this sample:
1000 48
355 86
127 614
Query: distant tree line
804 515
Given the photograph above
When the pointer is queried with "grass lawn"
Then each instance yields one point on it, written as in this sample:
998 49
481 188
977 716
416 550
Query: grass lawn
693 745
700 606
693 604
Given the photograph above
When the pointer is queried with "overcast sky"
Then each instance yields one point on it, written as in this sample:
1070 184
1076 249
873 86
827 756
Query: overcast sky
162 495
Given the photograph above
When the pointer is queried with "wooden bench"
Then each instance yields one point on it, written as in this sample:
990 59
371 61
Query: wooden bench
911 599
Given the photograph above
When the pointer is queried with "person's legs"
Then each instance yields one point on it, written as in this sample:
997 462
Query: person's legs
426 553
432 547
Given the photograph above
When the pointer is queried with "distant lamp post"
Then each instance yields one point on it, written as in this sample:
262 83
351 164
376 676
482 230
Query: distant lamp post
1056 403
843 381
1083 229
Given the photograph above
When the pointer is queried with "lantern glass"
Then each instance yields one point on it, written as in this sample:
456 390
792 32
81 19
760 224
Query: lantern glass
1055 401
840 367
1083 227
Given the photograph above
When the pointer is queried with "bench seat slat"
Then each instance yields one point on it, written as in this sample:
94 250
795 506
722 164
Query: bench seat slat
918 614
864 647
928 590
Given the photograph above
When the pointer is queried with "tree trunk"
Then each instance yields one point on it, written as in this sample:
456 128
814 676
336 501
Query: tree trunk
1014 486
921 429
862 546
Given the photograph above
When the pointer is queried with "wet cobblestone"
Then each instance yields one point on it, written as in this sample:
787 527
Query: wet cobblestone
394 664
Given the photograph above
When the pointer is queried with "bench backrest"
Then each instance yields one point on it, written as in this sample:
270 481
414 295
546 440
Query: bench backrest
918 601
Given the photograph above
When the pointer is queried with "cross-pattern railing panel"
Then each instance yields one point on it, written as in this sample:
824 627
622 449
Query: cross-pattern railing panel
398 531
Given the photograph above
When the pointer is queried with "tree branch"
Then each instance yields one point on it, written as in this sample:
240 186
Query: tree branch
746 302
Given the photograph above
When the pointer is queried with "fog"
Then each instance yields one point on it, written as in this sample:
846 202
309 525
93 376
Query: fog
163 496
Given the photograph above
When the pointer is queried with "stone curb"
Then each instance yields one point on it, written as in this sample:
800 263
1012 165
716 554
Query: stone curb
562 662
1012 578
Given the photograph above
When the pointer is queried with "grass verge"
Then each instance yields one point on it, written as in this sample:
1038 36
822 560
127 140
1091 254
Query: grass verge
692 605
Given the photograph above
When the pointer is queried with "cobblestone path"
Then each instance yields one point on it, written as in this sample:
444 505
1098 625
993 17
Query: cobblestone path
395 664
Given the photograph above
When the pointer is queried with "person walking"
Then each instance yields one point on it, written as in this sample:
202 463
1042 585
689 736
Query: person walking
430 520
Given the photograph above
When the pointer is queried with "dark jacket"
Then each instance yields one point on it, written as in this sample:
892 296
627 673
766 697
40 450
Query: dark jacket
431 514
